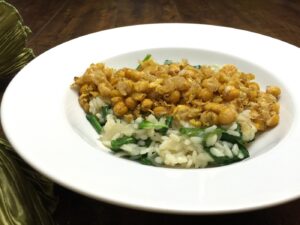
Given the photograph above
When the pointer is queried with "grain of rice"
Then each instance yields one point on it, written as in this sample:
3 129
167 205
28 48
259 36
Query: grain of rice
210 129
216 152
235 149
241 155
233 133
211 140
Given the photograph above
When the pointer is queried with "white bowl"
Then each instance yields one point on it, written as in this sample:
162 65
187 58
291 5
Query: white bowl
44 122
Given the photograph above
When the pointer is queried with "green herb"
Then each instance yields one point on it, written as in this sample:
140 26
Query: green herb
197 66
164 130
161 128
191 131
145 124
117 143
94 121
218 131
147 57
104 113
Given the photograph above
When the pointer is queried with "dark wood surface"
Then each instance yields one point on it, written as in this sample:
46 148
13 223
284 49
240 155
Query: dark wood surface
56 21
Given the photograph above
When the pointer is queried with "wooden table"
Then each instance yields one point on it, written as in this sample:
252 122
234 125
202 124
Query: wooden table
56 21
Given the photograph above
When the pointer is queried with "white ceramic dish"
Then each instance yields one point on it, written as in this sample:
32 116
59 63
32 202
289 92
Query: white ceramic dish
43 121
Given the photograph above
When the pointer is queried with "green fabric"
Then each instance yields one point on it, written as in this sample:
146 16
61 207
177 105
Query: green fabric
26 197
13 37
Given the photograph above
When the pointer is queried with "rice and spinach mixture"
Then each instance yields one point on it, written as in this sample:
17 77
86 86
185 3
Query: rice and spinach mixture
176 114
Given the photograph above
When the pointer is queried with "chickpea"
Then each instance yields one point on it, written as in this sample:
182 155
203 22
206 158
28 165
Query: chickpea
217 99
260 125
227 116
273 90
104 90
215 107
174 97
115 93
114 80
275 107
173 69
273 121
253 86
196 123
182 84
247 76
94 93
84 89
128 118
221 88
181 108
141 86
146 104
197 103
120 108
230 93
254 114
138 96
130 103
208 118
205 94
252 94
229 69
160 110
125 87
206 71
211 84
223 77
120 73
114 100
133 75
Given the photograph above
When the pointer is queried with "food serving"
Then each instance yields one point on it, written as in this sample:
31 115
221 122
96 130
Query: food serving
176 114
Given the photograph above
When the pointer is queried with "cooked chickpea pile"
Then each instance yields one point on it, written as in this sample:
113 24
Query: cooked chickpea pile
201 96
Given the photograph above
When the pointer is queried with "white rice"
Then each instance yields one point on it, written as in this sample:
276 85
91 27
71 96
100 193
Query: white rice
173 149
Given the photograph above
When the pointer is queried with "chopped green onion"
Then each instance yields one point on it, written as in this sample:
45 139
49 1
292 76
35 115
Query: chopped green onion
197 66
147 57
94 121
117 143
104 113
161 128
191 131
145 124
169 121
